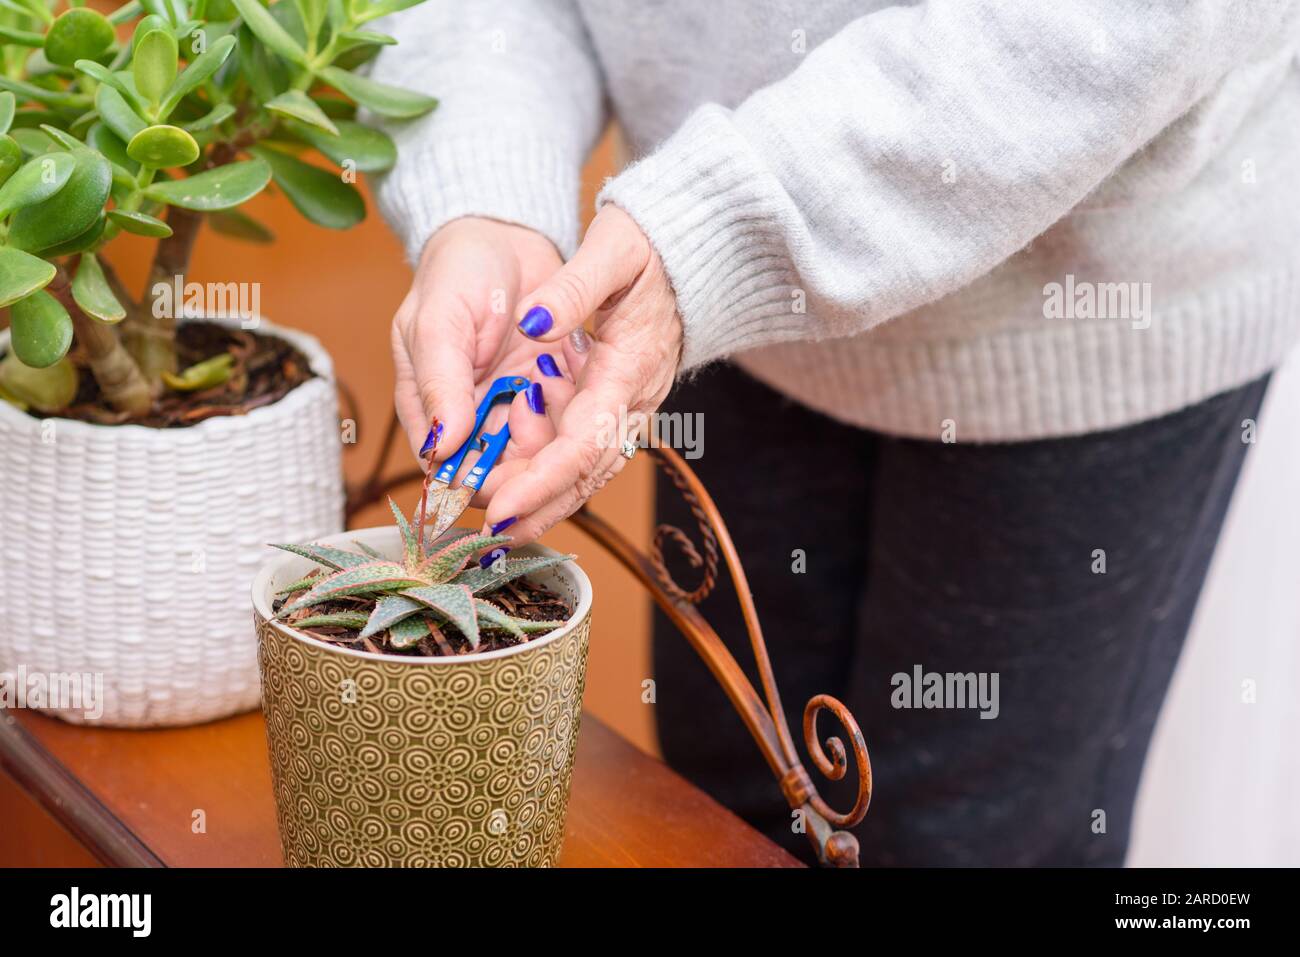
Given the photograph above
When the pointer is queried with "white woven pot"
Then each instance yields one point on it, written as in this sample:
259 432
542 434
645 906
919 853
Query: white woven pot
128 552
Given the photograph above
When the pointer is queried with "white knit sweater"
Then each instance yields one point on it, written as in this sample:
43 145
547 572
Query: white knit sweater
1004 218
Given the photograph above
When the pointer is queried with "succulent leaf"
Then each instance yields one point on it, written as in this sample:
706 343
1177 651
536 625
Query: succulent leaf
373 553
490 616
504 570
301 584
341 619
389 610
329 556
21 274
319 194
207 374
411 546
390 101
407 632
371 578
219 188
446 562
455 602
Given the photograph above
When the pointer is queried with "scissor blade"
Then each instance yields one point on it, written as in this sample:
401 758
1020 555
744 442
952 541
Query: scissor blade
448 505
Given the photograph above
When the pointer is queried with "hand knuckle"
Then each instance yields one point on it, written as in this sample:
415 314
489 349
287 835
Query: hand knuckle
574 292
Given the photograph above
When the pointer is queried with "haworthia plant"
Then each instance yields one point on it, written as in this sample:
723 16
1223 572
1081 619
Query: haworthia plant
397 600
148 119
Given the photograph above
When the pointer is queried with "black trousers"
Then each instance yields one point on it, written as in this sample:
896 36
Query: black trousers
1067 568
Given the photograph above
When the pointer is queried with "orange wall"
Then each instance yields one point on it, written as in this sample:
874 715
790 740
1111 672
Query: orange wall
344 288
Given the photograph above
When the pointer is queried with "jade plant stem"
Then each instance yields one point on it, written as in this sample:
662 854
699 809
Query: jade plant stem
150 338
124 388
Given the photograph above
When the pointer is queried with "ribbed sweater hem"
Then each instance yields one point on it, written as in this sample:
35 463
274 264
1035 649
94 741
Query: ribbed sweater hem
1056 377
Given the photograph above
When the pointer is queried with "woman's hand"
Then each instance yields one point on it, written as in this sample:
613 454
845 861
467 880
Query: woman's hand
454 331
617 278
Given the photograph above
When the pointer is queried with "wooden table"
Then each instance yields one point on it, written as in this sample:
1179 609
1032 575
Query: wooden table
130 798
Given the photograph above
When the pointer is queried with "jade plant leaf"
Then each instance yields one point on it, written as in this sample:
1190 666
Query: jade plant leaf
142 224
173 11
267 29
8 105
327 555
40 94
117 113
370 578
299 106
163 146
84 240
34 142
453 602
147 24
92 292
372 11
22 38
369 150
450 559
11 157
389 610
318 194
201 67
76 34
340 619
505 570
46 390
239 225
366 37
40 329
219 188
103 74
407 632
70 212
207 374
153 66
214 117
389 101
39 179
66 140
21 274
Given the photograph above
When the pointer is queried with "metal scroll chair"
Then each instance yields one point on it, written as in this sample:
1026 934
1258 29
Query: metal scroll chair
762 714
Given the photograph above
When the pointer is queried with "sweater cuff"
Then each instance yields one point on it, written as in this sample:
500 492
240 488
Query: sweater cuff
527 181
704 203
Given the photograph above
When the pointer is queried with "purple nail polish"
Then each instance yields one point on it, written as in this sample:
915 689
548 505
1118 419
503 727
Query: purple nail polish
487 560
502 525
431 440
536 401
536 322
546 363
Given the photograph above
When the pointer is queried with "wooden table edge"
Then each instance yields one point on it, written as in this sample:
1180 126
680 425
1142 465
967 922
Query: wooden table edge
91 821
68 800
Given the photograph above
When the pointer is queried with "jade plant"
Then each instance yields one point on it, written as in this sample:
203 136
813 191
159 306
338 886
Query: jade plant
149 120
361 596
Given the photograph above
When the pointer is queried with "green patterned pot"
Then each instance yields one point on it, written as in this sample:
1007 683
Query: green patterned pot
381 760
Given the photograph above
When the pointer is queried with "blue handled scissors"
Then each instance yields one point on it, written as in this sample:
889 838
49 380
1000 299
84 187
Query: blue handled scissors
447 503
